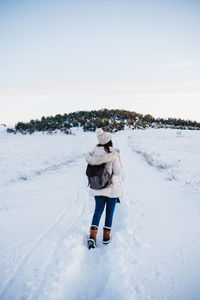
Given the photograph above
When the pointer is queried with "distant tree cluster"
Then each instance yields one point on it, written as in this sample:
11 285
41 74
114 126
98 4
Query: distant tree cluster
111 120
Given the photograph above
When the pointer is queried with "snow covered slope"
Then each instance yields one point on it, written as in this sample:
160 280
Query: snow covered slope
46 210
174 152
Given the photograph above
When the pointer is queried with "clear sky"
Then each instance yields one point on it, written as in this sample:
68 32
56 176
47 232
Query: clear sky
62 56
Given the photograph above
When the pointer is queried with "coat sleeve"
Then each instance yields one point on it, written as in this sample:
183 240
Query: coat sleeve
117 166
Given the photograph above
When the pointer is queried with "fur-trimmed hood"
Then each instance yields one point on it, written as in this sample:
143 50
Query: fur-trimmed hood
99 156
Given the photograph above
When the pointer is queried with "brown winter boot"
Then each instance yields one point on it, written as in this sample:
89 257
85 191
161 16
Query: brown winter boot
92 238
106 235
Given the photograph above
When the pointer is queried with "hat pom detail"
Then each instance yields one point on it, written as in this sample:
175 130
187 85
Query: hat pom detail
103 137
99 131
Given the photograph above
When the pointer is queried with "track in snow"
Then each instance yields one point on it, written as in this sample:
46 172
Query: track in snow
42 256
140 263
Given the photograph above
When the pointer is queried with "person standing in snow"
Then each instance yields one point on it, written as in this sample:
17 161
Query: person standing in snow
105 153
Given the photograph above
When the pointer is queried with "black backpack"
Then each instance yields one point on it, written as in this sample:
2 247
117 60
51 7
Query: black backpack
98 176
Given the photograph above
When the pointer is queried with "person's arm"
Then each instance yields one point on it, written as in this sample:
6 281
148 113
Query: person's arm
118 152
120 161
117 167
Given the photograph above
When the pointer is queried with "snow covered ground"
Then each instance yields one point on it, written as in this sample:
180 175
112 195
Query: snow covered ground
46 210
174 152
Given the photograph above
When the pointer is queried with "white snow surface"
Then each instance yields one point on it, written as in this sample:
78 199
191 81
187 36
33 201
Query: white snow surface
46 210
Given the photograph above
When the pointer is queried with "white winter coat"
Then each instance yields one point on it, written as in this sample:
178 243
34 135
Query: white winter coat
113 164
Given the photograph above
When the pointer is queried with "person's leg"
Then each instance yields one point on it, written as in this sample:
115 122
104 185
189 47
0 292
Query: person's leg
99 207
110 208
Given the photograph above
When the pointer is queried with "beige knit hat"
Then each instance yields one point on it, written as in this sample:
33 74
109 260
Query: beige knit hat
102 136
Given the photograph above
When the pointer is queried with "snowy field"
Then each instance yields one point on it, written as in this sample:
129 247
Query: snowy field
46 210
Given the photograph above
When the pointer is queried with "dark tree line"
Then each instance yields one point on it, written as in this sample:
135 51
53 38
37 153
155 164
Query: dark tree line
112 120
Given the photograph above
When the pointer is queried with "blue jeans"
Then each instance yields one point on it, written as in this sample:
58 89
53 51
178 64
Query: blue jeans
101 201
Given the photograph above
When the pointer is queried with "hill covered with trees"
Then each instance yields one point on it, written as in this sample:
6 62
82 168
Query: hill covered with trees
110 119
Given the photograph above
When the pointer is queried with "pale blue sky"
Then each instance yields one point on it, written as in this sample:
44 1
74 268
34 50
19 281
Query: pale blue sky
61 56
